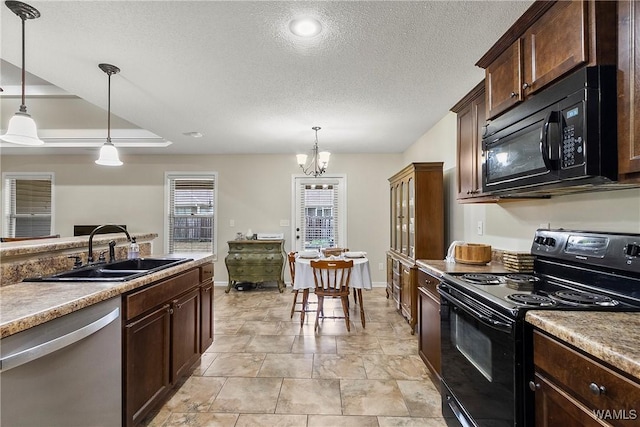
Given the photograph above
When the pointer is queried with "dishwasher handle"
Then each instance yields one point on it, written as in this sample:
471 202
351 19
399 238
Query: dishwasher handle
41 350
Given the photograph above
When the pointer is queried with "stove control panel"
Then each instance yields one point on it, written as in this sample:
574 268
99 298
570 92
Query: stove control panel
611 250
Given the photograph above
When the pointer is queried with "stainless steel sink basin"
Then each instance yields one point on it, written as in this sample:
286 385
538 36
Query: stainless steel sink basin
120 271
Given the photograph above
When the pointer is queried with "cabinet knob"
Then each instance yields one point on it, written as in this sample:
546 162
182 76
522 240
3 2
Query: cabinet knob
596 389
513 94
533 386
525 86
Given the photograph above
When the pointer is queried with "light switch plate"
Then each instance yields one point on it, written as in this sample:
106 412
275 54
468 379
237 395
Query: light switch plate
480 228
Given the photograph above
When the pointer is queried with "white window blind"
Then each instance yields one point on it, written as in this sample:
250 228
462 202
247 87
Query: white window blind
191 212
320 213
28 205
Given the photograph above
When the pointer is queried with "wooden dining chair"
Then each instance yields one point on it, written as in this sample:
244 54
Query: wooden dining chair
332 280
291 256
327 252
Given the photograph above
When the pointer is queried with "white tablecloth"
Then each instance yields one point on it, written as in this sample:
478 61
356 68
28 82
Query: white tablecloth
360 274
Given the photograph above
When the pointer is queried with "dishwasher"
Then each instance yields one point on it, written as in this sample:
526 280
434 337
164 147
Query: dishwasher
66 372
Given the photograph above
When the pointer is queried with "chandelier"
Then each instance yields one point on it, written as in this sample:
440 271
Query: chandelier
317 164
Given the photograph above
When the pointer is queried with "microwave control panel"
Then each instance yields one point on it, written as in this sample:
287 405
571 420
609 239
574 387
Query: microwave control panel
572 146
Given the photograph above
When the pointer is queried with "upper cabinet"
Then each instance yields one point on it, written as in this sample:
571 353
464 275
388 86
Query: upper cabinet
547 42
628 94
470 111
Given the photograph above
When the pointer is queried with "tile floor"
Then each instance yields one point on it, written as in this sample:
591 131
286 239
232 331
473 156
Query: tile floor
263 369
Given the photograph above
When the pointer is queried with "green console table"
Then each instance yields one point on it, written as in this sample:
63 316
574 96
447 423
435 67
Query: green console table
256 261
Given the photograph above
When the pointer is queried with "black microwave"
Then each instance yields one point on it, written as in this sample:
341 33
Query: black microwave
561 140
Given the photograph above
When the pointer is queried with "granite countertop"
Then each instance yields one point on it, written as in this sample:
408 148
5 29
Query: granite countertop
610 337
439 267
27 304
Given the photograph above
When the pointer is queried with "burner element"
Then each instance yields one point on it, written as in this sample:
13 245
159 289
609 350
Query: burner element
580 298
522 282
481 279
532 300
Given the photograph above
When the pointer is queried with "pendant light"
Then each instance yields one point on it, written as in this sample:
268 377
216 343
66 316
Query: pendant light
22 128
109 152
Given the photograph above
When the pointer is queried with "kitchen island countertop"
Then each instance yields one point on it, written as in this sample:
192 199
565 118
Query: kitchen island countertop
610 337
24 305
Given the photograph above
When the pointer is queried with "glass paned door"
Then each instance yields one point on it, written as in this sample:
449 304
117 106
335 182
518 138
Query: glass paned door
411 216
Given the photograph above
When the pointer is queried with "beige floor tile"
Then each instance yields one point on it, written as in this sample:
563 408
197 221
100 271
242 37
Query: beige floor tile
309 396
360 344
291 365
235 365
398 346
345 366
411 422
314 344
422 398
372 397
255 327
203 419
271 420
205 361
342 421
382 366
248 395
226 327
270 344
195 395
229 343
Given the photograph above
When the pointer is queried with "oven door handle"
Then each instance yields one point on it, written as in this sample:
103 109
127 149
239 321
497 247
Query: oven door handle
493 323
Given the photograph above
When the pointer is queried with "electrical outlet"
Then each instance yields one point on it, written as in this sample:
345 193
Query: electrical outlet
232 223
381 266
480 228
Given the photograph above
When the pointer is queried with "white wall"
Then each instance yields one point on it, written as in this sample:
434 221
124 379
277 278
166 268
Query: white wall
253 190
511 225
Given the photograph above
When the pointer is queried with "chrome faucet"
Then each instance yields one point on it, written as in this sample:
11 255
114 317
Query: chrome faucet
95 230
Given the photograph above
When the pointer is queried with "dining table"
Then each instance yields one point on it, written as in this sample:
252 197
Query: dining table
360 279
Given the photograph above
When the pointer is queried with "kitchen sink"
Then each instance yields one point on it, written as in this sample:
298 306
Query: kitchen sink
119 271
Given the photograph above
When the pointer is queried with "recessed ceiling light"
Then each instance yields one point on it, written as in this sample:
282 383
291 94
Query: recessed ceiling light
305 27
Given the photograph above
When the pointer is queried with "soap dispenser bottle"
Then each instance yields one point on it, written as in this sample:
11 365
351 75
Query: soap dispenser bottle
134 249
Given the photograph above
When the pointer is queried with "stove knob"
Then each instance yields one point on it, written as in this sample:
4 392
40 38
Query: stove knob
632 249
551 241
539 240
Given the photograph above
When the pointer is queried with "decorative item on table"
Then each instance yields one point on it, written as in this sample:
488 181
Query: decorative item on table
520 262
249 234
355 254
310 254
239 236
473 253
328 252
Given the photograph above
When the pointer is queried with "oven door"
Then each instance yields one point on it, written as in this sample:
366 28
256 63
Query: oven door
478 363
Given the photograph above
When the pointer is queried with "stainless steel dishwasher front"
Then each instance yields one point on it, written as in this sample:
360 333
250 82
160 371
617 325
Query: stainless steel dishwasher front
66 372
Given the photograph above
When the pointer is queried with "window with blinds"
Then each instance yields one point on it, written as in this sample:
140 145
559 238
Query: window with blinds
28 205
191 212
321 213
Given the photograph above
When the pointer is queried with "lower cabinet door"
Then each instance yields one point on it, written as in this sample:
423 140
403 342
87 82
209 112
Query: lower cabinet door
206 316
429 331
185 333
146 373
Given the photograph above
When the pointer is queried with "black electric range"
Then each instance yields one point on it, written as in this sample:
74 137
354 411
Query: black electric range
486 345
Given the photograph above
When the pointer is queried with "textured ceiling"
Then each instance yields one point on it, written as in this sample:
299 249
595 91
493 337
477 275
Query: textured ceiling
378 76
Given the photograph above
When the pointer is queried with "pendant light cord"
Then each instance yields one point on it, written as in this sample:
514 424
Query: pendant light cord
23 105
109 110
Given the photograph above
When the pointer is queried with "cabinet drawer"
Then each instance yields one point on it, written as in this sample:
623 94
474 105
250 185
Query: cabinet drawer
206 272
592 383
254 247
248 270
428 282
140 301
265 258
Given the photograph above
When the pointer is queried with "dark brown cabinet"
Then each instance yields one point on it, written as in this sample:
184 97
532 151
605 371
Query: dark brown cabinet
162 326
417 231
146 371
628 93
206 307
572 388
429 322
550 40
471 115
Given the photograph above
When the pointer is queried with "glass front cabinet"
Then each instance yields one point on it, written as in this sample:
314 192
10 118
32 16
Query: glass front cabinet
417 231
